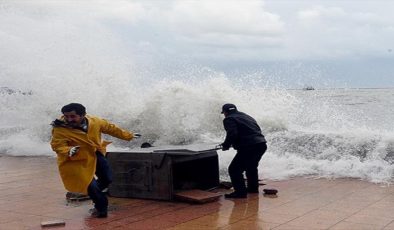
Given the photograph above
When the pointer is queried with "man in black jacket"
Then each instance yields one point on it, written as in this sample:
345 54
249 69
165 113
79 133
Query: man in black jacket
244 135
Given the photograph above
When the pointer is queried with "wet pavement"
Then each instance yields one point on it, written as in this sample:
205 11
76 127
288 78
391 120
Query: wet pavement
31 192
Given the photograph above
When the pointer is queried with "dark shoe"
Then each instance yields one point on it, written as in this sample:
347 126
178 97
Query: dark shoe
235 195
72 196
98 214
225 184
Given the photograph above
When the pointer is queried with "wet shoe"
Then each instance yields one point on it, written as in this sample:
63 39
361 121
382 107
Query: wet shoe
98 214
101 215
235 195
72 196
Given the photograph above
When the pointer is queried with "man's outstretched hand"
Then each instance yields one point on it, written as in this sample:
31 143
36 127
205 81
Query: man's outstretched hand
225 147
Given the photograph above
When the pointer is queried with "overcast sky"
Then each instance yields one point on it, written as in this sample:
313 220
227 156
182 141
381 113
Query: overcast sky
328 43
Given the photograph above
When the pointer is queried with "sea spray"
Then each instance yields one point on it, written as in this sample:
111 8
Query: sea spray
174 111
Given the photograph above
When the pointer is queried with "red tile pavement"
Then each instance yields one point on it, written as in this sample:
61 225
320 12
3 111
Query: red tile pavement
31 192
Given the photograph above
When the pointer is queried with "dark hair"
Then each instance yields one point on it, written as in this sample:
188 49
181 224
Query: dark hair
78 108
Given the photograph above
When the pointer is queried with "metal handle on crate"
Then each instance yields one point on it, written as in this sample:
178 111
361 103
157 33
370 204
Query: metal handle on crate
161 162
217 147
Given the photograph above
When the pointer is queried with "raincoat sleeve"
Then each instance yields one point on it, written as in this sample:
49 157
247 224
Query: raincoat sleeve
115 131
59 144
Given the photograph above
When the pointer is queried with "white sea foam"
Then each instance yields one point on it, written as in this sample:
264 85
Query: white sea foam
185 112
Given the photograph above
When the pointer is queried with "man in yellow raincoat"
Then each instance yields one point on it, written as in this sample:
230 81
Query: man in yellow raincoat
76 138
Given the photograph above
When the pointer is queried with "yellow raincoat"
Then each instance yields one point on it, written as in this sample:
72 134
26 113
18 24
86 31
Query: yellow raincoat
78 171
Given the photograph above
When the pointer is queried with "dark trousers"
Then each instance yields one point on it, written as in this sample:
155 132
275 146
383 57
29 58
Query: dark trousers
246 160
104 178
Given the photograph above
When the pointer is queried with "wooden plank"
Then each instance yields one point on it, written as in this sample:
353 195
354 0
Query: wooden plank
197 196
51 223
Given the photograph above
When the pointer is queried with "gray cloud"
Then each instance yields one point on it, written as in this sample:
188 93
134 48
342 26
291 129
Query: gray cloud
48 36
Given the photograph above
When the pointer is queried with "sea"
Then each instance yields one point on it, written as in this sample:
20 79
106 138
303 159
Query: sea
320 133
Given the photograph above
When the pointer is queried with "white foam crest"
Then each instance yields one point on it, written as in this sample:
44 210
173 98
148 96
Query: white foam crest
334 162
25 144
276 167
359 155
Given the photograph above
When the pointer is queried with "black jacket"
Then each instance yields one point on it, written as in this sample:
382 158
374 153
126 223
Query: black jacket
242 131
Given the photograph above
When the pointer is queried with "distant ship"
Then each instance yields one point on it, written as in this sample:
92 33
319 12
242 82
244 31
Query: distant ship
308 88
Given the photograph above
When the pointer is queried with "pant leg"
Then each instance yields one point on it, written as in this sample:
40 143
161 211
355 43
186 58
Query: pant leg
235 170
99 198
103 171
254 156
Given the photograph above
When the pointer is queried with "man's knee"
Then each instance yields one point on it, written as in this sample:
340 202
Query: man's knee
93 188
234 169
